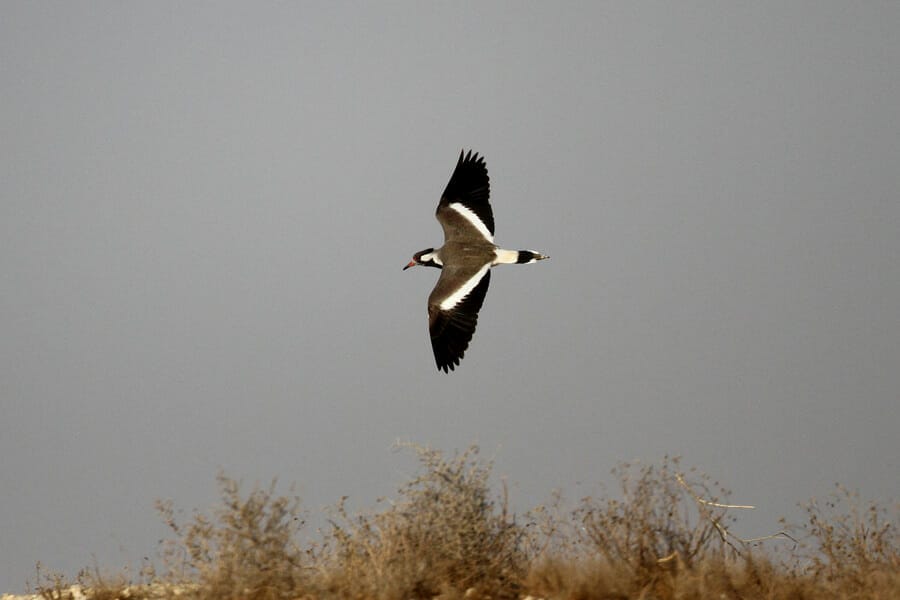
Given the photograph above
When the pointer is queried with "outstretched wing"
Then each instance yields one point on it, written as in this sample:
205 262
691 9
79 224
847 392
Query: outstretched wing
464 210
453 313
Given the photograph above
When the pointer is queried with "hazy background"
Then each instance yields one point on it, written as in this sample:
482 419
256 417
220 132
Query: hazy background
206 206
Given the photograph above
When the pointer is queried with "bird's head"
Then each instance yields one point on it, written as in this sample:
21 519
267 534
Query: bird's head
426 258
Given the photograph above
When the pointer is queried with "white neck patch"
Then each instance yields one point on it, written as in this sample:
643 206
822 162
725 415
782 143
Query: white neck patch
472 218
432 256
456 297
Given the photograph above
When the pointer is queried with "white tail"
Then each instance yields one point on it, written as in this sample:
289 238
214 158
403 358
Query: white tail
516 257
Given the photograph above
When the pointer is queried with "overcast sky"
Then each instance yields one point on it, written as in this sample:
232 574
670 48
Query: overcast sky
205 208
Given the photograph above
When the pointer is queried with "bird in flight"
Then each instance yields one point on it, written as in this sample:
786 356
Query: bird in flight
465 260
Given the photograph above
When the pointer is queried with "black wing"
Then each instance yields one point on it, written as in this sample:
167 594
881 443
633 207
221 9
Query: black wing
470 186
451 329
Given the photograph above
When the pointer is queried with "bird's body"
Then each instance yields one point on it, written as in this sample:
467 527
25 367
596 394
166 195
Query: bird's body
465 260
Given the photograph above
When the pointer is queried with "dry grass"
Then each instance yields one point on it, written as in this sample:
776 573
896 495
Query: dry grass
663 535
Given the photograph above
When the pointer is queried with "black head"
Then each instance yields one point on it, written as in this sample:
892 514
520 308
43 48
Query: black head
426 258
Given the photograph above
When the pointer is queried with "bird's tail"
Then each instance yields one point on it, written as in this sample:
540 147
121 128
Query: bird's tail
517 257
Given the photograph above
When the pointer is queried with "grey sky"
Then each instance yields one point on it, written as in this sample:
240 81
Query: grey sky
205 207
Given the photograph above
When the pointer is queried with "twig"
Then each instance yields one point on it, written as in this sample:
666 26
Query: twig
721 529
690 490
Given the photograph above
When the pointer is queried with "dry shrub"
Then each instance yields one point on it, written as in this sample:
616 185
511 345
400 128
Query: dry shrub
246 550
659 519
89 583
663 535
852 541
443 536
51 585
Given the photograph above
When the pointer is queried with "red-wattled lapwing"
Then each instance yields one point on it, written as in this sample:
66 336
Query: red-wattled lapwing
465 260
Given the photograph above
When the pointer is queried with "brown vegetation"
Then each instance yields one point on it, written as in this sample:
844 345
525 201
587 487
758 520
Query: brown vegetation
664 535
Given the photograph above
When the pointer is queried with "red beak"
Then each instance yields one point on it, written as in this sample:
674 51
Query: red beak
412 263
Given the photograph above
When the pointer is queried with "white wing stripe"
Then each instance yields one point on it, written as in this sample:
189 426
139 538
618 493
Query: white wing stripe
472 218
456 297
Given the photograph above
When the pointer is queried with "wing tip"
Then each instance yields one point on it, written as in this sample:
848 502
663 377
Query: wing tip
469 156
445 357
447 367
